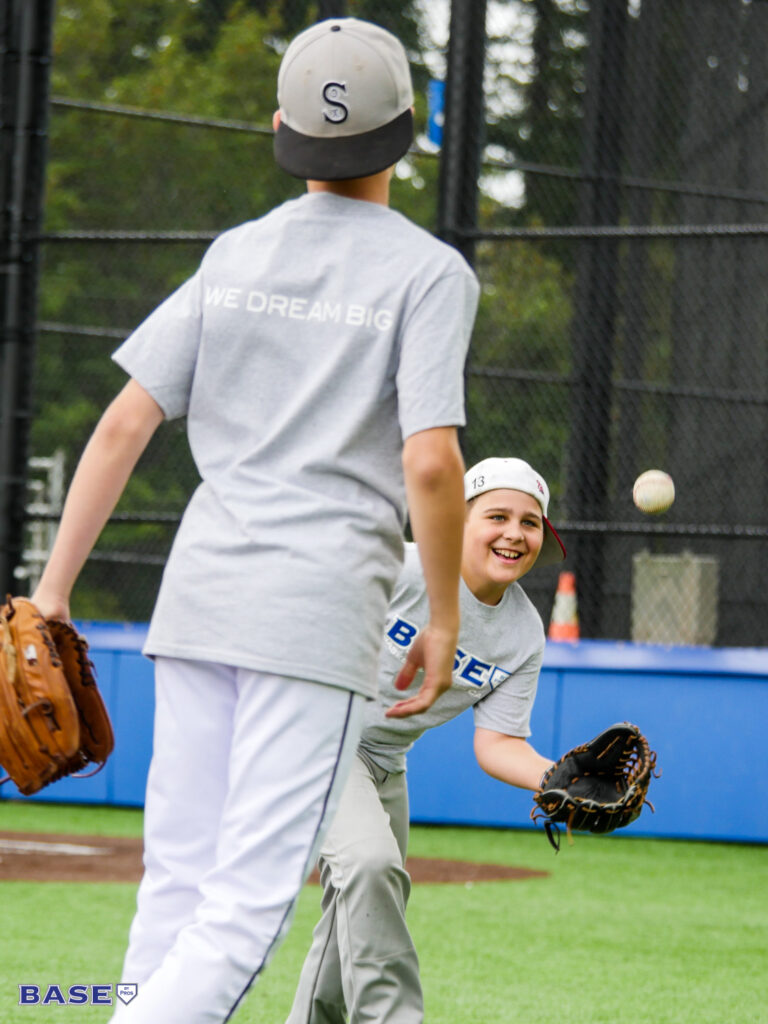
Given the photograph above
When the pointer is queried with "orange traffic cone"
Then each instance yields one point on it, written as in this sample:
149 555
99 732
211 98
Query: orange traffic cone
564 624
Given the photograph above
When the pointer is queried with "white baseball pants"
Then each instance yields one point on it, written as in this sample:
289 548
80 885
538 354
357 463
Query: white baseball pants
246 773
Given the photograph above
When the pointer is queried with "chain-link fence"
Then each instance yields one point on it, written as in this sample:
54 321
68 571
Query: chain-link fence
603 167
637 338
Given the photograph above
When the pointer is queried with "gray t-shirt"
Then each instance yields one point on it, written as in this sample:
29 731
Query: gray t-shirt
496 670
306 348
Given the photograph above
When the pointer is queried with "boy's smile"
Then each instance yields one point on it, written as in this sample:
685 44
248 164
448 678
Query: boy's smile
507 556
503 534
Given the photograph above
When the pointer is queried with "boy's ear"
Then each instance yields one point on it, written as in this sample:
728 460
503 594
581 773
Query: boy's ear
275 120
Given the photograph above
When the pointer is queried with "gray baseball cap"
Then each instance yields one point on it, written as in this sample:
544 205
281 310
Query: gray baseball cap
345 96
517 475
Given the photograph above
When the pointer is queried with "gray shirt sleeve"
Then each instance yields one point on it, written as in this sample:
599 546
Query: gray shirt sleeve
430 378
162 352
507 709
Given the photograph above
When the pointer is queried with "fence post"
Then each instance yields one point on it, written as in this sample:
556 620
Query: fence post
596 303
25 56
464 126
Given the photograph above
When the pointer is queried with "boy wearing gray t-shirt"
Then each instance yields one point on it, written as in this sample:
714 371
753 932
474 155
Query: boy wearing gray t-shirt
362 964
317 354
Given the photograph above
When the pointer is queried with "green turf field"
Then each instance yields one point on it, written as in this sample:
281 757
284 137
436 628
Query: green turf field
626 931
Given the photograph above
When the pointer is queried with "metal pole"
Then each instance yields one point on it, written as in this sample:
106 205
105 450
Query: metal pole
464 126
594 322
26 30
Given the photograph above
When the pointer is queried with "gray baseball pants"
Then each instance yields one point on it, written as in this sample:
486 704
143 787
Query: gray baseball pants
362 966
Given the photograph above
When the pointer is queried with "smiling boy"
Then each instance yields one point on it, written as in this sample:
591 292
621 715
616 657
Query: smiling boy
362 965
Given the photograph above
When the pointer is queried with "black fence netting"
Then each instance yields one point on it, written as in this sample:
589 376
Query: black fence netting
603 167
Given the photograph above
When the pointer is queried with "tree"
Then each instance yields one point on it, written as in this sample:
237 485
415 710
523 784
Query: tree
535 107
519 351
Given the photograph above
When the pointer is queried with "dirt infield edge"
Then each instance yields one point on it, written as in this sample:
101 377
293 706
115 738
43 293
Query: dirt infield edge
54 857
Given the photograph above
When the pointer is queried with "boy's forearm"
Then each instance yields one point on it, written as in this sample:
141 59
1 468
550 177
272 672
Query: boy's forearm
434 481
434 477
96 487
115 446
510 759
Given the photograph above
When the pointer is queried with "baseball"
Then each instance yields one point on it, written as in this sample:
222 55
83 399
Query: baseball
654 491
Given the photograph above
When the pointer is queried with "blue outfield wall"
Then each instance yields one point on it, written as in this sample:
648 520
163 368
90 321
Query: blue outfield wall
704 711
126 681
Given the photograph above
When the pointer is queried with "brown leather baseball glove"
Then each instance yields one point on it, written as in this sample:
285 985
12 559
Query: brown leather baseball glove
53 721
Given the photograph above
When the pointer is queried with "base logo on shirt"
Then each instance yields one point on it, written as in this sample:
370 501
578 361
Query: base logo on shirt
468 670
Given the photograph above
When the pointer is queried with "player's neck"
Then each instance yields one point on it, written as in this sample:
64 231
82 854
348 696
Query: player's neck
486 591
372 189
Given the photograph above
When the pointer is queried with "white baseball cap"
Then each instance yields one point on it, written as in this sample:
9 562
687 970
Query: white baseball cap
345 96
516 475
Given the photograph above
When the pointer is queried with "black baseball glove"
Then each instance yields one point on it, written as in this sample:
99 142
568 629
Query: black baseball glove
597 787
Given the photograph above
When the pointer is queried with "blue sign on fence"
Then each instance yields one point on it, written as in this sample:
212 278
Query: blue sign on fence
436 106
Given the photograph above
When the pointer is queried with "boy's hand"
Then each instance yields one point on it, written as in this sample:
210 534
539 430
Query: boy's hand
50 605
433 650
